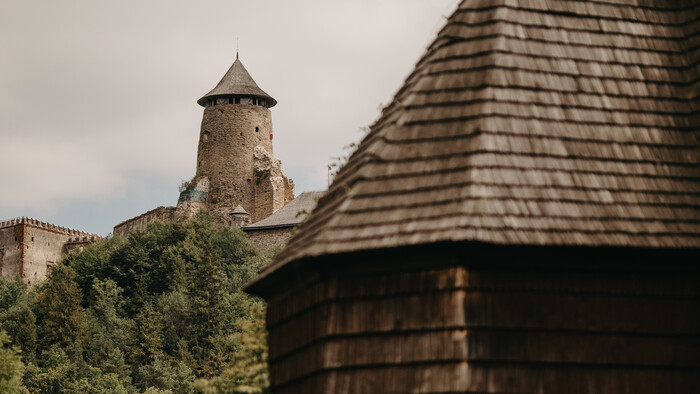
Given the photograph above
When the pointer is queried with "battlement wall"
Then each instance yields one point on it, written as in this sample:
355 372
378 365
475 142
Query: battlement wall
48 227
163 214
29 248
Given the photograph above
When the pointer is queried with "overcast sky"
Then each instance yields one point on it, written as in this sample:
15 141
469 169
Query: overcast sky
98 114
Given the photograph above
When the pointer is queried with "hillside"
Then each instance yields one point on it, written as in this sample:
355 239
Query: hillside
158 311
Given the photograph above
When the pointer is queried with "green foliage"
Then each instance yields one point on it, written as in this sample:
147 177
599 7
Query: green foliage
163 375
10 292
17 317
60 318
59 373
105 328
97 383
94 263
146 339
247 370
150 312
175 308
188 185
11 367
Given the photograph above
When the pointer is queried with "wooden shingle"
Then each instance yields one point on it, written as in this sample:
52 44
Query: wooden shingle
531 123
524 217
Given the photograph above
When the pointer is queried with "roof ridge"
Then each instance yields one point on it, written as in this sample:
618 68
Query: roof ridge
576 14
457 38
534 25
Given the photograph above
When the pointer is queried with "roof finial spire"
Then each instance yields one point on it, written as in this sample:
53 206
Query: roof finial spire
236 48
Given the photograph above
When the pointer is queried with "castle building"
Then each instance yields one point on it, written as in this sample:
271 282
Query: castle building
276 229
235 149
29 248
524 217
237 179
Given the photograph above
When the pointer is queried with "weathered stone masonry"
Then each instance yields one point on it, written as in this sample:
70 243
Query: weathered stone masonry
268 239
29 247
164 214
238 179
230 136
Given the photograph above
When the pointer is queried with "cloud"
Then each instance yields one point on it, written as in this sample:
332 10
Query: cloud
41 172
97 99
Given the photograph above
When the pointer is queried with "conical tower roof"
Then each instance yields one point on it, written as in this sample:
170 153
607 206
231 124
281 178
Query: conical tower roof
237 81
239 210
548 123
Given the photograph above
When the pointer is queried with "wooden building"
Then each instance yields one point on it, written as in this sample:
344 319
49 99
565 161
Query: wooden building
524 217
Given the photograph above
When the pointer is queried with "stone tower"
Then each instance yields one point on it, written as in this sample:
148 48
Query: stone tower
235 149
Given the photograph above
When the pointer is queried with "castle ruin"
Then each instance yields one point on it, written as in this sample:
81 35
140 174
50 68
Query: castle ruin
235 149
238 179
29 247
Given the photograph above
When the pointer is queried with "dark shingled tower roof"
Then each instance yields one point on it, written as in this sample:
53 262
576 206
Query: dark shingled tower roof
550 123
237 82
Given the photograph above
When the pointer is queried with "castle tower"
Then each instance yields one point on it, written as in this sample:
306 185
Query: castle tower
239 217
235 149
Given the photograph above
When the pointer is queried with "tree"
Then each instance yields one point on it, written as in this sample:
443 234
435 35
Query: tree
59 373
11 367
60 316
17 317
106 331
146 337
151 312
175 309
247 370
163 375
20 324
207 292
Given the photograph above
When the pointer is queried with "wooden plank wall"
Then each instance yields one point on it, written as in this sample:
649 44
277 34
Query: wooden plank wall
458 329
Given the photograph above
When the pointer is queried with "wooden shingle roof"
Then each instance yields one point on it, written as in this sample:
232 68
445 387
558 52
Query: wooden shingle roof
237 82
531 122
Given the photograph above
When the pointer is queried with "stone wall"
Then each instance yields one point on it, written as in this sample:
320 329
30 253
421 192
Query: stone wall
11 251
43 248
266 240
230 136
235 166
192 199
30 247
164 214
271 186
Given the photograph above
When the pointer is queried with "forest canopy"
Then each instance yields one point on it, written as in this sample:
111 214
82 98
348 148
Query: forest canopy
159 311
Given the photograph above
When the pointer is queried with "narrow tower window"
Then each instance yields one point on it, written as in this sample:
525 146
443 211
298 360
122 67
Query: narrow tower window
230 100
238 100
256 129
